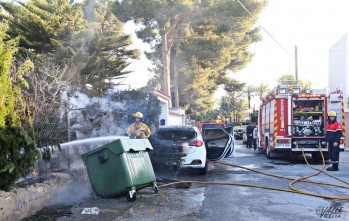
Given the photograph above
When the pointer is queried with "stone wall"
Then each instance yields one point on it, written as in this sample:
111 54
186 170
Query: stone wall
63 180
57 188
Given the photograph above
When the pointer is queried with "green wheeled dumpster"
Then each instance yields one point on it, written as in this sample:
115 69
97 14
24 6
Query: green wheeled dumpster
120 167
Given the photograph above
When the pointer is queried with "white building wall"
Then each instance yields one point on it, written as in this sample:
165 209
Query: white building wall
164 111
338 76
174 120
173 116
180 114
339 68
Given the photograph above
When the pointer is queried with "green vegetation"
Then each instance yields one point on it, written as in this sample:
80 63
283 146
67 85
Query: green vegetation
290 79
85 40
18 152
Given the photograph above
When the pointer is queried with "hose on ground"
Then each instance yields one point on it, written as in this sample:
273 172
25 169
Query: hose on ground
291 189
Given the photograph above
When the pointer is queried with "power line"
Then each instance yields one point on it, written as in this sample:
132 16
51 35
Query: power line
272 37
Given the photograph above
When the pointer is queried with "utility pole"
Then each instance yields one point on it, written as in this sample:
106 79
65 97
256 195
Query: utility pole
296 61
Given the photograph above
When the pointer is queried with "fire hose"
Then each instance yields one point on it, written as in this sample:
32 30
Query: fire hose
291 189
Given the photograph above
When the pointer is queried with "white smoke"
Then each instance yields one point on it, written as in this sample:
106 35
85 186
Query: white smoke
71 194
72 151
94 117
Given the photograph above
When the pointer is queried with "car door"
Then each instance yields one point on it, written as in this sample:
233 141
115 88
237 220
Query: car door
230 131
218 142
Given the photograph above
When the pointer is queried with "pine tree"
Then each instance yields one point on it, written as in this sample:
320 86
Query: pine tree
106 48
18 152
218 38
44 27
211 35
160 18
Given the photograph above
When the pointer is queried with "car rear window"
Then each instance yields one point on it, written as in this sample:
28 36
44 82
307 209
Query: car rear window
175 135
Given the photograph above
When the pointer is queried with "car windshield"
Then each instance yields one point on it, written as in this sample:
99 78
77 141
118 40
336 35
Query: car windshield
175 135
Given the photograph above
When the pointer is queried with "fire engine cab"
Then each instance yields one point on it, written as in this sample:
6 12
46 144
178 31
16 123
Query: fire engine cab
289 121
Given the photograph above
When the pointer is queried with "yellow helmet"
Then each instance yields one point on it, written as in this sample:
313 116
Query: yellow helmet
138 115
332 114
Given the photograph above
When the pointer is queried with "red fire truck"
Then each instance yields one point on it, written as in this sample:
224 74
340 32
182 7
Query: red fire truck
289 121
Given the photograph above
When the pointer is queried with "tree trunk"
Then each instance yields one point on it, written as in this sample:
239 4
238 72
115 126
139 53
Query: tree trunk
249 102
175 83
166 62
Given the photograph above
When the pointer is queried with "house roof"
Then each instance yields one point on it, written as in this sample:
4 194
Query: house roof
175 114
161 94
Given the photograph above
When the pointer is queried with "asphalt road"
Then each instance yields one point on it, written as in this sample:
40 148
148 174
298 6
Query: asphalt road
224 202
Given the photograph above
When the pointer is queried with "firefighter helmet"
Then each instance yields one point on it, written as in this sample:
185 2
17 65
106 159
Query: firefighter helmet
332 114
138 115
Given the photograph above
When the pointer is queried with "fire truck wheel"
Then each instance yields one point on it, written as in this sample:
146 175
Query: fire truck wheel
326 156
317 157
268 153
260 150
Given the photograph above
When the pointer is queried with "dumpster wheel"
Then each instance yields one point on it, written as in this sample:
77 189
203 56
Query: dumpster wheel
131 196
156 189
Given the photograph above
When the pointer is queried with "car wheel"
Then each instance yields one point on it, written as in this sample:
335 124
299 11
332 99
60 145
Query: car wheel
203 171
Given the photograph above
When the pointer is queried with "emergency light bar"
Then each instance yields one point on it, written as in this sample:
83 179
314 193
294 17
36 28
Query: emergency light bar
309 95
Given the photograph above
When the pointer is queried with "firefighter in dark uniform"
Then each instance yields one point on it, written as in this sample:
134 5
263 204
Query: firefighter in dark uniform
249 134
333 136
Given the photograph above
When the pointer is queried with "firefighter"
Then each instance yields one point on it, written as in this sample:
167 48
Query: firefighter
249 134
255 137
333 136
138 130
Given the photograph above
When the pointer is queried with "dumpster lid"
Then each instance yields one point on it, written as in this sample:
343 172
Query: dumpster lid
123 145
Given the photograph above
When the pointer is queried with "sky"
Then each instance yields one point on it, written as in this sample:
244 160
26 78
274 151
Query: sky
313 25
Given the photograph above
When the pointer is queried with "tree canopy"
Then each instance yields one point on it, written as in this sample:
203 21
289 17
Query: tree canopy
85 39
207 38
44 26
